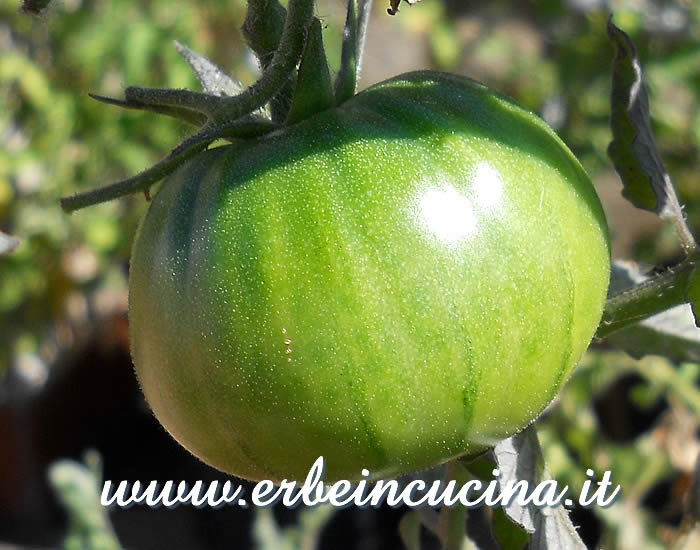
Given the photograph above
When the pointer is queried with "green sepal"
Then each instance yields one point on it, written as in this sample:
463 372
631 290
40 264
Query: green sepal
314 92
213 79
346 81
354 35
186 115
246 127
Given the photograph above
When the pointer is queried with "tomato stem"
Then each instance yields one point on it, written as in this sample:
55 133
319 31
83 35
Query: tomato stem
263 28
646 299
685 235
281 67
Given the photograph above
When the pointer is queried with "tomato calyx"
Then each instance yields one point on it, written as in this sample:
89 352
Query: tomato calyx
295 85
218 115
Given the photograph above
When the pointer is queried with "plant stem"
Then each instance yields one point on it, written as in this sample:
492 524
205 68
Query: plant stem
280 69
658 294
684 234
263 29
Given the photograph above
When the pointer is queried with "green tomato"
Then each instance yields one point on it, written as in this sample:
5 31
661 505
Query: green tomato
390 284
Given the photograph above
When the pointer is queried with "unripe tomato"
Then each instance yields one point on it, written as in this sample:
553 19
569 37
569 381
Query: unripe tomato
389 284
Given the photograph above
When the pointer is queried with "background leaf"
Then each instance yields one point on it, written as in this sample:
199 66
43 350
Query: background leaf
633 150
520 459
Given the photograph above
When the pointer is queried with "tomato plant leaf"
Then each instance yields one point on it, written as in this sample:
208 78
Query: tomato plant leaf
7 243
520 459
671 334
508 534
314 91
213 80
633 150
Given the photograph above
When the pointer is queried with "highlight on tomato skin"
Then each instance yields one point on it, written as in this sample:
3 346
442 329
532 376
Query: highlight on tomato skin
368 285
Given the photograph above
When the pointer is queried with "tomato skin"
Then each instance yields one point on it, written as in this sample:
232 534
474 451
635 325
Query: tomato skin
390 284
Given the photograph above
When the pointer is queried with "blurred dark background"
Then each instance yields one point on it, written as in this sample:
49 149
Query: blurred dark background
66 380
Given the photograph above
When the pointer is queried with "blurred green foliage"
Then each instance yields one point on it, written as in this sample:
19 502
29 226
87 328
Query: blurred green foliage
78 486
54 141
553 56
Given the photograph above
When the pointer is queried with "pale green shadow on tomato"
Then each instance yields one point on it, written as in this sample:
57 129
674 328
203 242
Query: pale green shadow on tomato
390 284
